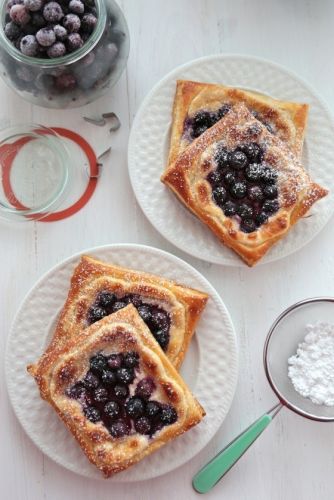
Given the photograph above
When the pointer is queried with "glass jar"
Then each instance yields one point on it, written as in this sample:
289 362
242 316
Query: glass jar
76 78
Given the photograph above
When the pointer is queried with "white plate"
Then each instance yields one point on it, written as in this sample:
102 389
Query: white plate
210 367
149 143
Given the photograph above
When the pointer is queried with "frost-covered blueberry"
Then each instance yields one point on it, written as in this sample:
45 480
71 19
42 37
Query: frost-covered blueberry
19 14
37 20
29 45
46 37
60 32
88 22
143 425
74 42
76 6
72 23
58 49
33 5
12 30
53 12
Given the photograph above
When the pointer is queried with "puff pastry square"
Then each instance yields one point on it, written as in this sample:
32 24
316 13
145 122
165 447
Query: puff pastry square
97 289
198 106
117 392
243 183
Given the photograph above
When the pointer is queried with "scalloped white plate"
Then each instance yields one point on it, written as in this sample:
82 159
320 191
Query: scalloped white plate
149 143
210 367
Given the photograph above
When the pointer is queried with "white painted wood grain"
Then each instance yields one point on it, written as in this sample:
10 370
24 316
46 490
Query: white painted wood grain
294 458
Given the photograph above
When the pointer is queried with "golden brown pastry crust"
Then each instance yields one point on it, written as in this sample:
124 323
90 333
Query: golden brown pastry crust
91 276
187 178
119 332
287 119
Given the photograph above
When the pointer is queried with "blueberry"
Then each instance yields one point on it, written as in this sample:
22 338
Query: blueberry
238 190
159 320
270 192
60 32
92 414
95 313
162 337
72 23
74 42
19 14
29 45
117 306
261 218
255 193
269 176
131 359
135 407
168 415
248 225
270 206
112 409
28 29
203 119
199 131
91 381
253 152
254 172
98 363
12 31
119 429
109 377
219 195
106 299
76 391
37 20
33 5
229 177
221 112
67 81
145 313
121 391
58 49
46 37
152 409
237 160
10 3
125 375
145 388
115 361
88 23
76 6
215 177
143 425
245 211
230 208
100 395
222 157
53 12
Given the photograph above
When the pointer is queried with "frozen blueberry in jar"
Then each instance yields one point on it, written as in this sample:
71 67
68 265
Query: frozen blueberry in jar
58 49
53 12
72 23
29 45
74 42
12 30
76 6
60 32
88 22
19 14
37 20
46 37
33 5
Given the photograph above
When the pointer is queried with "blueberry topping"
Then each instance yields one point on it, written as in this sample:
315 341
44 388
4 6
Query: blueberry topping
253 152
222 157
96 313
168 415
221 112
254 172
92 414
145 388
109 377
219 195
98 363
159 320
117 306
135 407
261 218
245 211
91 381
238 190
100 395
229 177
52 12
119 429
76 391
162 337
247 225
106 299
125 375
131 359
145 313
115 361
270 191
121 391
230 208
269 176
112 409
237 160
270 206
152 409
143 425
255 193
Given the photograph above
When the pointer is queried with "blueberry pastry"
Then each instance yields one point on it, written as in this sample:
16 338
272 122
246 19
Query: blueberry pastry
117 392
244 183
170 310
198 106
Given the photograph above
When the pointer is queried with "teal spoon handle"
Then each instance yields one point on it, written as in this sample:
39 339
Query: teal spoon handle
212 472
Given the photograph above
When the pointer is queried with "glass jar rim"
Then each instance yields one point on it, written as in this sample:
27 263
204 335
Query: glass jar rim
59 61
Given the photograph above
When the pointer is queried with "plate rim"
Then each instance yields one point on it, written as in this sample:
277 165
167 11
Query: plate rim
234 355
131 144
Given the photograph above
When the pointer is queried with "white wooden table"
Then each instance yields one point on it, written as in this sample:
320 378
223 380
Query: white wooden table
294 458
